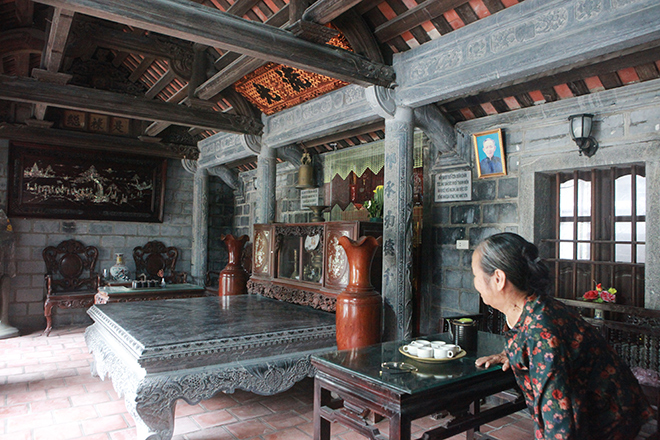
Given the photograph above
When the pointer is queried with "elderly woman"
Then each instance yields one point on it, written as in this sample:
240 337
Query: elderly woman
575 385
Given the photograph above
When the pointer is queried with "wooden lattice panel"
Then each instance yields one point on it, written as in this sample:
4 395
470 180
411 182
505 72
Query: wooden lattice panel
275 87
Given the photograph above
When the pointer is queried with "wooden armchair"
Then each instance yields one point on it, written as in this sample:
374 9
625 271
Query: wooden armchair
154 257
70 280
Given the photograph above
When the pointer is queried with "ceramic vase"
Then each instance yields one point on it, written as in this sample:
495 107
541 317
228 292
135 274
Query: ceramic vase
233 278
119 272
359 306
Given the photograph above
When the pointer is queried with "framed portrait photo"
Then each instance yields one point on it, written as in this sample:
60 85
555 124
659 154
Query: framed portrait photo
489 153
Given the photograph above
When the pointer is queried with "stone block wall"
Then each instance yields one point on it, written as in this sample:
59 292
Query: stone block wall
537 145
221 218
32 235
287 198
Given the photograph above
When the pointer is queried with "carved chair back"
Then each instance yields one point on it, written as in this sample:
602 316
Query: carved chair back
70 267
154 257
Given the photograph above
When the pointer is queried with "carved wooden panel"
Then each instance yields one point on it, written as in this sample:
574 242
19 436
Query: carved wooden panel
263 236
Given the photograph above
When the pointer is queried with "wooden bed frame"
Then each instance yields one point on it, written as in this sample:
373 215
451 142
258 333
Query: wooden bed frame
157 352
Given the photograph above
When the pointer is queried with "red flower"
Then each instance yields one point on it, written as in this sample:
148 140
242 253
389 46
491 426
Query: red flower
591 295
607 296
557 394
599 287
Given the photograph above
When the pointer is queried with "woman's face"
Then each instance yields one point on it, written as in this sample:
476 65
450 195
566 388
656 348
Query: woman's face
483 282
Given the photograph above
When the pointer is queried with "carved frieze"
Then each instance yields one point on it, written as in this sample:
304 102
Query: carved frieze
292 295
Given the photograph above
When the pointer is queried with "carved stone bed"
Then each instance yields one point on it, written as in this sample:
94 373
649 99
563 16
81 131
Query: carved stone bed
156 352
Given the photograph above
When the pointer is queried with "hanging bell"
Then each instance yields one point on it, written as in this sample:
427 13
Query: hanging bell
305 172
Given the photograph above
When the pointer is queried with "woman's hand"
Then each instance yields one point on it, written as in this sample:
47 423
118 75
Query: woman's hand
494 359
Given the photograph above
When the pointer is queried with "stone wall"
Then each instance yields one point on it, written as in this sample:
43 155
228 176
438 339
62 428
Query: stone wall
221 218
537 144
32 235
287 198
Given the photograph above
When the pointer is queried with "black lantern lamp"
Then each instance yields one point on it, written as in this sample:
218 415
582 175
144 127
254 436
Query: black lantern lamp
581 133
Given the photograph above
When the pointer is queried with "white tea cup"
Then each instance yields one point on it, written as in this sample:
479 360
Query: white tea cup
420 343
437 344
452 350
440 352
410 349
425 352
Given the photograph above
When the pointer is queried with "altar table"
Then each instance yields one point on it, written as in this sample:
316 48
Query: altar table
156 352
123 293
356 377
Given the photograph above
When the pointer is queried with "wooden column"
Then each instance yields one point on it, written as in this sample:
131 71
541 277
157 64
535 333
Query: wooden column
397 225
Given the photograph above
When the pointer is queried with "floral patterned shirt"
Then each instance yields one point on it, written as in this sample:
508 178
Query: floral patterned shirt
575 385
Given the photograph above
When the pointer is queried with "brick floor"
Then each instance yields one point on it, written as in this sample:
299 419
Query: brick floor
47 392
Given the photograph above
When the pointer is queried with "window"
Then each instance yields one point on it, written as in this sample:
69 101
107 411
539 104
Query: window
599 232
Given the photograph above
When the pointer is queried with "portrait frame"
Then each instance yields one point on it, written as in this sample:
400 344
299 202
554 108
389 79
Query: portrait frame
480 156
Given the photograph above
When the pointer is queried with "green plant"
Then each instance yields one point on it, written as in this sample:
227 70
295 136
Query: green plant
375 205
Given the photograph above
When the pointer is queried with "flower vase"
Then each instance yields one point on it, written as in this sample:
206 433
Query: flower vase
233 278
119 272
359 306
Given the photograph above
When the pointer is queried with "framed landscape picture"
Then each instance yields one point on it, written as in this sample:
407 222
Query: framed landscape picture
70 183
489 153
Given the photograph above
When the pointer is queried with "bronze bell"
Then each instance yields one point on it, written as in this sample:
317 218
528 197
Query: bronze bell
305 172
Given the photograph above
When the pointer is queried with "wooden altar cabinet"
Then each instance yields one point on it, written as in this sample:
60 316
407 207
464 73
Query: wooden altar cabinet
303 263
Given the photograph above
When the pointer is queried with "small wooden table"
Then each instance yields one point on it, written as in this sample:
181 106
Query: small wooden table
457 386
118 293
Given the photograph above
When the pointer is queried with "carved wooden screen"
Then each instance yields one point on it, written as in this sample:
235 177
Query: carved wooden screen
69 183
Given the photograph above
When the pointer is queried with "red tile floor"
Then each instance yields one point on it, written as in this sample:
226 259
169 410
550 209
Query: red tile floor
47 392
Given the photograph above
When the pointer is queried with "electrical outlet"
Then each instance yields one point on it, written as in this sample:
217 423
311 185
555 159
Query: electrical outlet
462 244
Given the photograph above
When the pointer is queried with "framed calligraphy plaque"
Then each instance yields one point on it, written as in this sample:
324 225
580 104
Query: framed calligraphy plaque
69 183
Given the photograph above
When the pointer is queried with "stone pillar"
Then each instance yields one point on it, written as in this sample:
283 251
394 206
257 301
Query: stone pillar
266 173
397 225
200 222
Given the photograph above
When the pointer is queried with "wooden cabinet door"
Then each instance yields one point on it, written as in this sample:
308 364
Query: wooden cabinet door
263 251
336 263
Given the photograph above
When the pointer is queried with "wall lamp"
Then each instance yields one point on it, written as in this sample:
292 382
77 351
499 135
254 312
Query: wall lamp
581 133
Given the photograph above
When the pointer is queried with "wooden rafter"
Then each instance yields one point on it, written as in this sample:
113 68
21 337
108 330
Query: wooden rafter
189 21
160 85
414 17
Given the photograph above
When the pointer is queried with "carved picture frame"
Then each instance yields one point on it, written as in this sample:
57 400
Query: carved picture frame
69 183
489 154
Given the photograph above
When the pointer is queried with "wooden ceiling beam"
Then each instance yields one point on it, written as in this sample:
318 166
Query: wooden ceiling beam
100 101
414 17
52 59
192 22
324 11
76 139
156 127
236 65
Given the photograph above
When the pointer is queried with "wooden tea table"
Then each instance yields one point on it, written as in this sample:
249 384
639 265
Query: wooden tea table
457 386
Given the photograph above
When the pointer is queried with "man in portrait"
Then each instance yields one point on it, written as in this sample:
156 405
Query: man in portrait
491 164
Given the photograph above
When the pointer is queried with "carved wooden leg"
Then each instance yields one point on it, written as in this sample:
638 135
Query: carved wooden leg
154 417
48 308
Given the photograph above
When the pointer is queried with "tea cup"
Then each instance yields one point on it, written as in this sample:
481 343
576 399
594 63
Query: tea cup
452 350
410 349
420 343
437 344
425 352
